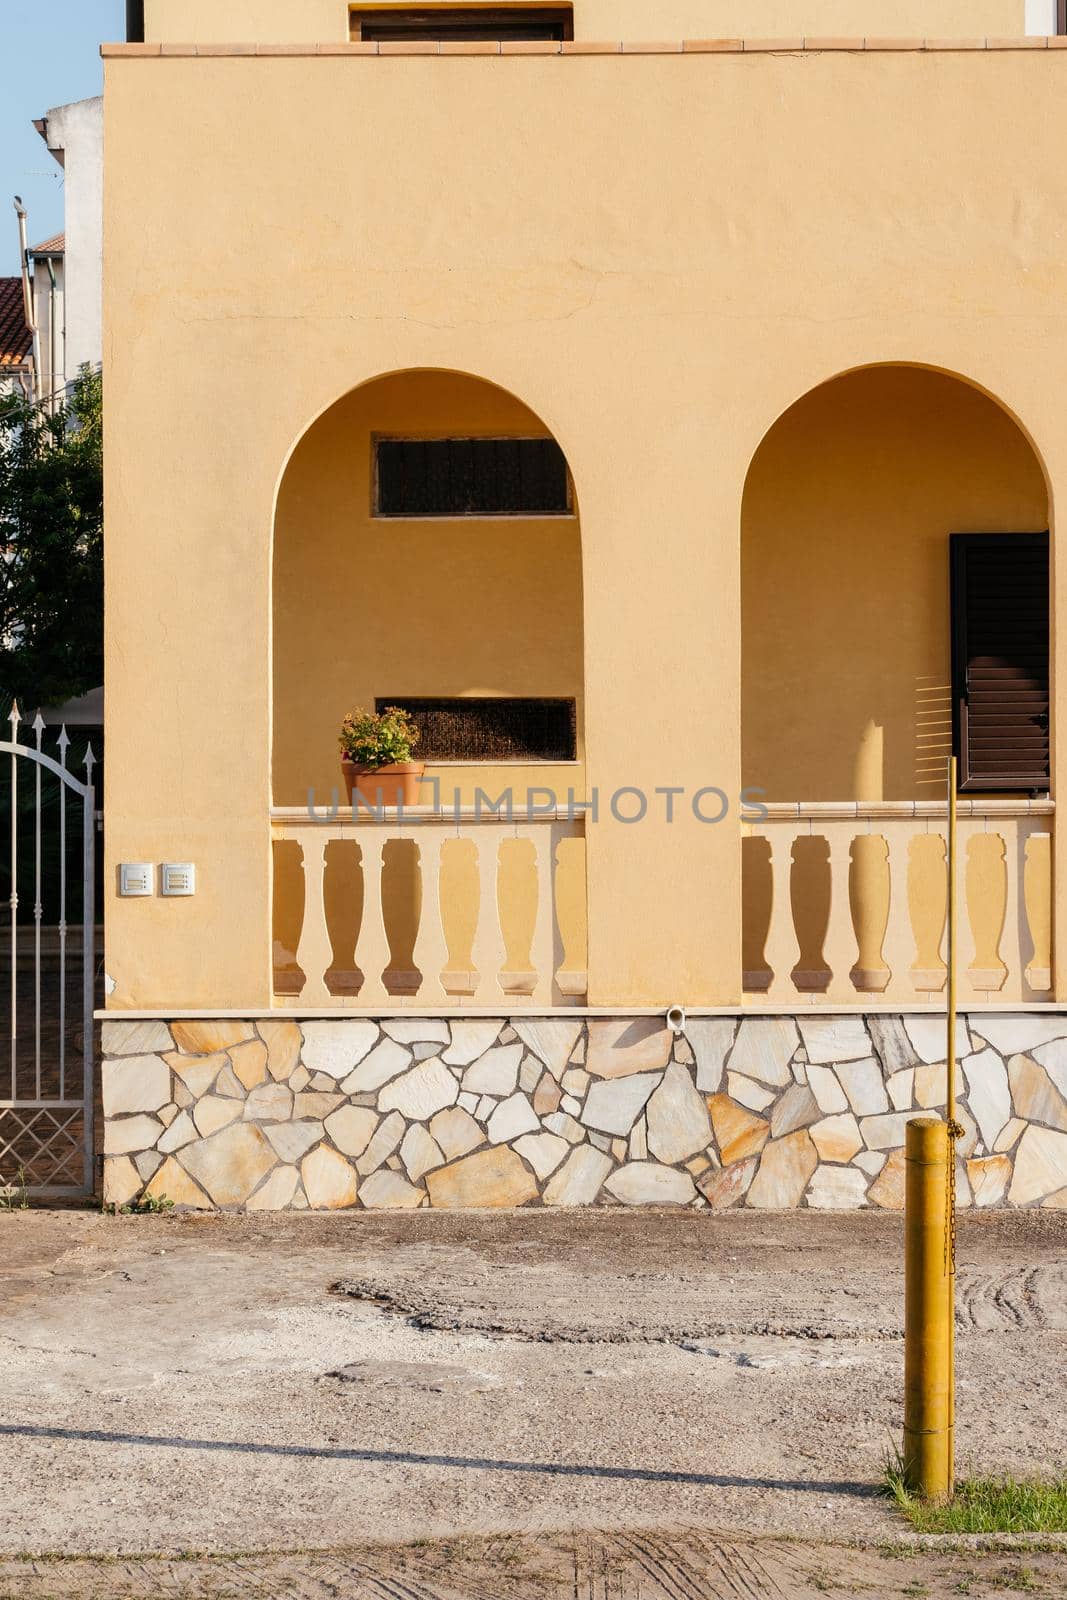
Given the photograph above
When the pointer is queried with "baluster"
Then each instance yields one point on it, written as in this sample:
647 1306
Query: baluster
372 944
1012 937
1037 889
431 946
966 946
488 953
314 952
898 946
979 913
543 943
570 893
928 874
839 945
781 950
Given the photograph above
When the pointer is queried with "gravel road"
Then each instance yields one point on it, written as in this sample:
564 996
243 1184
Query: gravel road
597 1405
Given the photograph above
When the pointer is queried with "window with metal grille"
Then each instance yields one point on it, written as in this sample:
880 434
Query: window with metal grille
464 22
1000 660
470 478
490 730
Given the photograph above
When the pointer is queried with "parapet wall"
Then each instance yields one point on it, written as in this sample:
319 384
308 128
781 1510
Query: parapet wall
775 1113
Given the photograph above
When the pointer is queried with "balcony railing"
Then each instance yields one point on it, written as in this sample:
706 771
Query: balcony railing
842 901
440 909
847 900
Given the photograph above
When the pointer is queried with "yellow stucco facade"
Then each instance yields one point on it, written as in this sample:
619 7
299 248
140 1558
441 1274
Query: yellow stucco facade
327 21
659 259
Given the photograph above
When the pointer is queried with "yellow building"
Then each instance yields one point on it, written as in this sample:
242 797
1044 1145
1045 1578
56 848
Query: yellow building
670 419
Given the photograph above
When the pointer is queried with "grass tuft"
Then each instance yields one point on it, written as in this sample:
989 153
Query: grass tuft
985 1505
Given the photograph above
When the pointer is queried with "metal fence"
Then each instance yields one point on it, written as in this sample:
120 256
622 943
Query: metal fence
47 1054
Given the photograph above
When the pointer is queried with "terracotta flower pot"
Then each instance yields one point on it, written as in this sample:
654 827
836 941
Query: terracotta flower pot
372 787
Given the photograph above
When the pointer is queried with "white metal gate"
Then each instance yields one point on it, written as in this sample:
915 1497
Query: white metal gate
46 1061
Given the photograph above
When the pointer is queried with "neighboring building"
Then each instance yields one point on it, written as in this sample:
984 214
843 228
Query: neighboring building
16 341
675 427
74 135
47 268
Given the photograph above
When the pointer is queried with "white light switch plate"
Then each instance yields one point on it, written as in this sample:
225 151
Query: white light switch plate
178 878
136 878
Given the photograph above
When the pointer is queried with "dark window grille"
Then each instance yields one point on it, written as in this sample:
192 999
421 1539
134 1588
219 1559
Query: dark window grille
470 478
1000 661
491 730
468 22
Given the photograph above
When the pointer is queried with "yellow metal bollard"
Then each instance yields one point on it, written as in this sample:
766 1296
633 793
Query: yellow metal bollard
927 1312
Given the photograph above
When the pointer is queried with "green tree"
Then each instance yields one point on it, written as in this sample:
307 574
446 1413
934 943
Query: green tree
51 547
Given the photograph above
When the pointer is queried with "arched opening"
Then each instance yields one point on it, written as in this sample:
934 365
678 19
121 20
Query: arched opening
426 552
864 664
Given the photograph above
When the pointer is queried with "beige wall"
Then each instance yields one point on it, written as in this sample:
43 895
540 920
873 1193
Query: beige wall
658 302
846 520
365 607
326 21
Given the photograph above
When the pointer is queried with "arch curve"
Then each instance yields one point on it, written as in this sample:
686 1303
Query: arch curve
366 607
537 411
849 503
781 410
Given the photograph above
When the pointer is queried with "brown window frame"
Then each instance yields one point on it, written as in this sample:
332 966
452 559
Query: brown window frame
474 22
1061 16
1021 782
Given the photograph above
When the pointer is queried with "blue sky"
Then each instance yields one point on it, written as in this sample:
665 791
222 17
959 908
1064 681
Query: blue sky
50 50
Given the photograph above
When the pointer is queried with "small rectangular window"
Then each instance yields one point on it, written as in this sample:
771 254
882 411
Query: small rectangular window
463 22
470 478
1000 661
491 730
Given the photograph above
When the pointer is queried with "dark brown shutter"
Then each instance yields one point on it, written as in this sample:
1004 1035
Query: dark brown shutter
1000 660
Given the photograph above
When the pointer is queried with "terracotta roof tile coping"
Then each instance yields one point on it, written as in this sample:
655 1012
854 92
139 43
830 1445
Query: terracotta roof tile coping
583 47
15 339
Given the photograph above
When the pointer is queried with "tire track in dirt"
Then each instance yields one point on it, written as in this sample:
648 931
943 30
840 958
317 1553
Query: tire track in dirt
624 1310
638 1565
1029 1299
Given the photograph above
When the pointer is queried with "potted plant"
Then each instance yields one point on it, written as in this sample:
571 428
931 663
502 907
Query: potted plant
376 759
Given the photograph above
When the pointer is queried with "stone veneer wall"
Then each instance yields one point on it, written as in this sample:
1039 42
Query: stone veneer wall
768 1112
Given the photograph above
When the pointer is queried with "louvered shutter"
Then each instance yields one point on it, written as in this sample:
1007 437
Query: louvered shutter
1000 668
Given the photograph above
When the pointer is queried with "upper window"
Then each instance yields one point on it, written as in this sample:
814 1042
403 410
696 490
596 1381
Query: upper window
470 478
1000 660
463 22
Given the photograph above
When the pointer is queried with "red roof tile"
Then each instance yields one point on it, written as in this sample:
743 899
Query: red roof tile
50 247
15 341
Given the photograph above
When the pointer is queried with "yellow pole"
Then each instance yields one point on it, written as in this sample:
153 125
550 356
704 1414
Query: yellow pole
927 1311
950 1116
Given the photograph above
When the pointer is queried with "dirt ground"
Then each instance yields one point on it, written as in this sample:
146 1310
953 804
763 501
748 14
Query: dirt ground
583 1406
